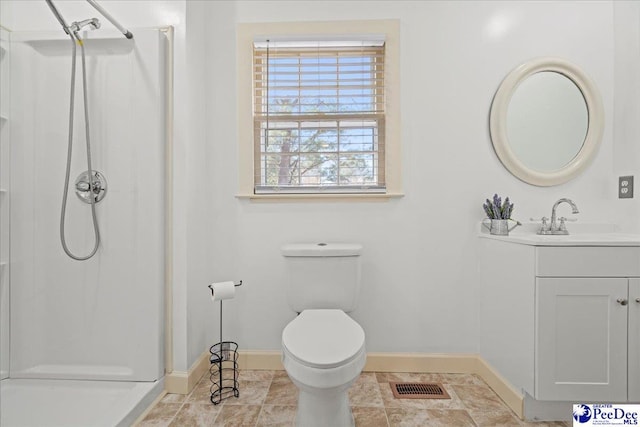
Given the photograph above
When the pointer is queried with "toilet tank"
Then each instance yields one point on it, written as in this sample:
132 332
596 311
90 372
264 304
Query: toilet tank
322 275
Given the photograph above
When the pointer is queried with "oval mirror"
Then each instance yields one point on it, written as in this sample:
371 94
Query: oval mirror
546 121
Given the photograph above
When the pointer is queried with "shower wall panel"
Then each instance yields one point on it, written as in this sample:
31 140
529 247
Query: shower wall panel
101 318
5 167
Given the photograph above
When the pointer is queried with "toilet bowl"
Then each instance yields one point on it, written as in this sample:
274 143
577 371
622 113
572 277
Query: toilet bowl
323 349
323 352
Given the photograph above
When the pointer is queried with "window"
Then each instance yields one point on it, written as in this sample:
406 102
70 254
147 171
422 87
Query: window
319 116
318 109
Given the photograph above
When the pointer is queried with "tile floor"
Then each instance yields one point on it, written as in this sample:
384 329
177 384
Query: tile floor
268 398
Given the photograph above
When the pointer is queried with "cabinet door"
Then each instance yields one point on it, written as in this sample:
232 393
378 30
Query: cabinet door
634 340
581 339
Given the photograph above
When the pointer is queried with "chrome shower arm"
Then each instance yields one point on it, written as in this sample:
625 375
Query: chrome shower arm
111 19
59 17
99 8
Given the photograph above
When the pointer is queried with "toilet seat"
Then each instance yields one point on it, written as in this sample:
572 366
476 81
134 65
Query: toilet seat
323 338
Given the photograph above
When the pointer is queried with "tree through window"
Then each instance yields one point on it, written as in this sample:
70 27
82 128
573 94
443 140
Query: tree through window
319 116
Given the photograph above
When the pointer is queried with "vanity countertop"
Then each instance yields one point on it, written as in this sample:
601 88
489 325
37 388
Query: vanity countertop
581 235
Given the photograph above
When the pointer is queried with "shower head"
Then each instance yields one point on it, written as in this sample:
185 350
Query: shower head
77 26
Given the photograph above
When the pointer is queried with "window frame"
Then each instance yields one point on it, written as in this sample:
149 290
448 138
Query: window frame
390 125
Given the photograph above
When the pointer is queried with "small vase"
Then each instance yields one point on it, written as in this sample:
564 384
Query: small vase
498 227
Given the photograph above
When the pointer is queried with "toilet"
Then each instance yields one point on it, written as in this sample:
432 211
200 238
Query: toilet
323 348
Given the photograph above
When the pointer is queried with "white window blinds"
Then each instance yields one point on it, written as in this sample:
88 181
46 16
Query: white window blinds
319 117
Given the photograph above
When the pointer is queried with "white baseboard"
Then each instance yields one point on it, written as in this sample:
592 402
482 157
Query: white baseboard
183 382
376 362
501 387
421 362
260 360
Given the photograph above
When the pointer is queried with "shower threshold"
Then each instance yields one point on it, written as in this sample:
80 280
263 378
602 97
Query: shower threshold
71 403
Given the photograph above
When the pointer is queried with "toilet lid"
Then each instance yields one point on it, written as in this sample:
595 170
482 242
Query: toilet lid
323 338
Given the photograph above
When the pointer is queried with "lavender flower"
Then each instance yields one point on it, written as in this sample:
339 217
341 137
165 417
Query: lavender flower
497 209
487 210
508 209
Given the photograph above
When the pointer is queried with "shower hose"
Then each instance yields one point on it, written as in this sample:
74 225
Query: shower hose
76 38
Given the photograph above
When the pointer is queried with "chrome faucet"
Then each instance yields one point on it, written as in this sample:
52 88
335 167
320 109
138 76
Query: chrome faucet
554 227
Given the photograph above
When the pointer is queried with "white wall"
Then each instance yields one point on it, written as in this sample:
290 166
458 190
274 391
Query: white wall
627 107
202 27
420 262
420 284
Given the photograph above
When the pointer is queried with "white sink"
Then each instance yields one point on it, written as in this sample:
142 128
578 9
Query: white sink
581 235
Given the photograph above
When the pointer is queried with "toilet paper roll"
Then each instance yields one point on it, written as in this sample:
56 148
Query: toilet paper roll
222 290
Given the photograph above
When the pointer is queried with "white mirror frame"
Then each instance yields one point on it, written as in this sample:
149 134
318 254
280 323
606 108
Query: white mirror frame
498 122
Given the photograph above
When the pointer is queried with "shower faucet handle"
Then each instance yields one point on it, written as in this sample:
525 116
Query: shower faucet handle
92 186
82 186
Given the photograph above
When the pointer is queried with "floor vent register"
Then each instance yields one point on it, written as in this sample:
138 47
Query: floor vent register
418 391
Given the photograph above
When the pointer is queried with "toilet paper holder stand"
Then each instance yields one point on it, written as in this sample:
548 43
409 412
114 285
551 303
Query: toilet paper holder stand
223 370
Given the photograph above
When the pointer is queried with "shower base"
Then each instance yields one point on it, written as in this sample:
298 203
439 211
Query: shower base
74 403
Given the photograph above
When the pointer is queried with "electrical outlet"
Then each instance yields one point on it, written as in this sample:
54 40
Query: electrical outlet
625 187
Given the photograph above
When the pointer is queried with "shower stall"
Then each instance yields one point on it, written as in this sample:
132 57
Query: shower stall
82 342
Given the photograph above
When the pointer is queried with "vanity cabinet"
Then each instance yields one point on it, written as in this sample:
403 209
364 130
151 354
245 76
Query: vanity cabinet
584 320
562 323
634 341
581 339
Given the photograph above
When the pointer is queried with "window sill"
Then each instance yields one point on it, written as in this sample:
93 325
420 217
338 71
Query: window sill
320 197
